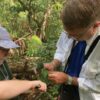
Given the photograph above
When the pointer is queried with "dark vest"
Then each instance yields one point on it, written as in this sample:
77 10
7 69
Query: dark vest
6 74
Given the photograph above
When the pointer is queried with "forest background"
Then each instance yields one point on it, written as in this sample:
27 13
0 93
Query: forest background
35 25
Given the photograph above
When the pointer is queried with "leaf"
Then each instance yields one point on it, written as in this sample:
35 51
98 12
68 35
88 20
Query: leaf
36 40
23 15
44 76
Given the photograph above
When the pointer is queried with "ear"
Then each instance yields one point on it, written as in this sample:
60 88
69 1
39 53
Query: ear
97 24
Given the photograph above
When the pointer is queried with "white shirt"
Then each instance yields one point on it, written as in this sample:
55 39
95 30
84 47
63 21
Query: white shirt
89 79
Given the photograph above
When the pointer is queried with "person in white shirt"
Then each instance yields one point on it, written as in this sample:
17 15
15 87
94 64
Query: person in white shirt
10 88
81 77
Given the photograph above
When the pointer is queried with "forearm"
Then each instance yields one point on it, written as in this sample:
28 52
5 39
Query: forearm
75 81
9 89
56 63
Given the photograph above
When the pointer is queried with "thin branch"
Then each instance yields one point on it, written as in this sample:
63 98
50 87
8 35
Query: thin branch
22 3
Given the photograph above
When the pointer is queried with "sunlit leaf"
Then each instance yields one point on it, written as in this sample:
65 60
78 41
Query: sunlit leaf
36 40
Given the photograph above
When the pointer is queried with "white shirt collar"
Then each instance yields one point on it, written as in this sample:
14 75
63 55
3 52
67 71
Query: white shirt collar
89 42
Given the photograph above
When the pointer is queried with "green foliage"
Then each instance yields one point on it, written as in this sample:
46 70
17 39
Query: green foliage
44 75
27 16
52 91
36 40
23 15
18 17
34 43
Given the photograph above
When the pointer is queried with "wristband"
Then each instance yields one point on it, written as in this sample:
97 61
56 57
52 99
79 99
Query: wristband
69 80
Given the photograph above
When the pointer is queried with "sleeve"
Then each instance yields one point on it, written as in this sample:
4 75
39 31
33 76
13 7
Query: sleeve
61 47
91 85
89 79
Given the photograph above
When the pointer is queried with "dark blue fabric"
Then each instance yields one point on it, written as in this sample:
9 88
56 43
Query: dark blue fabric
76 59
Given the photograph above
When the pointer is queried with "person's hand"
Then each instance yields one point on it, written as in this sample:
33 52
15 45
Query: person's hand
52 65
39 85
49 66
57 77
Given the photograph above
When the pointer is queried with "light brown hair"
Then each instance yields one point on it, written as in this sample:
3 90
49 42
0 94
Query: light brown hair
80 13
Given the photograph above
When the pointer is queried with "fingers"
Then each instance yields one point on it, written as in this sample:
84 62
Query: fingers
52 73
43 87
52 76
49 66
57 77
46 66
39 85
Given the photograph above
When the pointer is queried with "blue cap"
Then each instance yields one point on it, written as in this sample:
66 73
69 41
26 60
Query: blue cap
5 40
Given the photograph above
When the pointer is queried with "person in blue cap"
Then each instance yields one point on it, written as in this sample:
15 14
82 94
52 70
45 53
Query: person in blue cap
10 88
79 47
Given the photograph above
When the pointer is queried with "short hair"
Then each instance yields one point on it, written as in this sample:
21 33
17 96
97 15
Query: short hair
80 13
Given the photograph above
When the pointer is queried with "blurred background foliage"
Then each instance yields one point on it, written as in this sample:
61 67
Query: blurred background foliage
35 25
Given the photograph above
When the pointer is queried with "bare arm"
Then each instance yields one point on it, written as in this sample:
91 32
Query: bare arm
75 81
10 89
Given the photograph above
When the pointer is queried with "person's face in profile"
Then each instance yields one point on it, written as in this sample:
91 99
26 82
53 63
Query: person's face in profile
3 53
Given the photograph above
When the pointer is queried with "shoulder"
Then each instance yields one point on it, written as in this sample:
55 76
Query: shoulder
64 34
64 37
